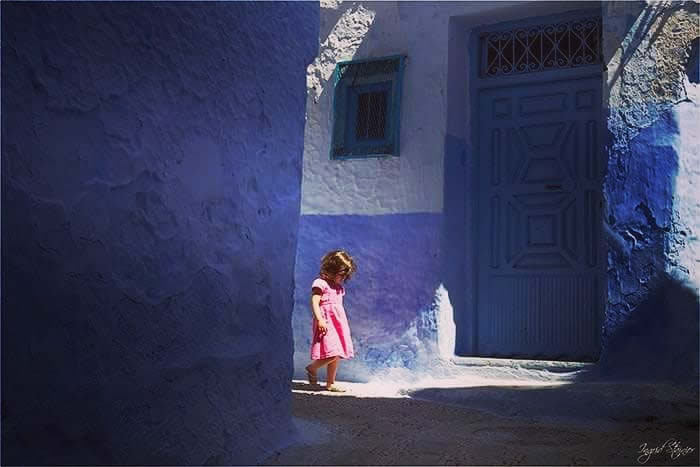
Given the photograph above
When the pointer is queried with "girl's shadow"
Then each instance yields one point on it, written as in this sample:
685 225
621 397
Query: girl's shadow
304 386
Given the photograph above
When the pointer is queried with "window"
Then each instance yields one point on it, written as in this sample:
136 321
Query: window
366 108
542 47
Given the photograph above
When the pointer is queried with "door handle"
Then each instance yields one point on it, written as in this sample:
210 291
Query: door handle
552 187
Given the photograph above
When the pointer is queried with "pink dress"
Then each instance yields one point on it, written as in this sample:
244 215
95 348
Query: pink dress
337 340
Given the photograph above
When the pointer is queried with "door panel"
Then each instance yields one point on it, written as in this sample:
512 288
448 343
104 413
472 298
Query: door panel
539 204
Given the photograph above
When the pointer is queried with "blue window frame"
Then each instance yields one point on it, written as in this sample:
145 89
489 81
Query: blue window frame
367 108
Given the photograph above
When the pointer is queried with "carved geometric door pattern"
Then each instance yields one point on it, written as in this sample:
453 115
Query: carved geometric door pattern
539 255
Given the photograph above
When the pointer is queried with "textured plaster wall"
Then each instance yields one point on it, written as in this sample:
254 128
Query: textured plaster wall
651 203
651 190
355 30
389 298
384 211
405 218
151 171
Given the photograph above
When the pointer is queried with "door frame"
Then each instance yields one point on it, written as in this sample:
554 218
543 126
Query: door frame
476 85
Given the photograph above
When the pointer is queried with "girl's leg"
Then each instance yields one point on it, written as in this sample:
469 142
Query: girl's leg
316 364
331 370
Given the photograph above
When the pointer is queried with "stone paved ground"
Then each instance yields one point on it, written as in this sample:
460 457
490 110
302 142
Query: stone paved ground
494 423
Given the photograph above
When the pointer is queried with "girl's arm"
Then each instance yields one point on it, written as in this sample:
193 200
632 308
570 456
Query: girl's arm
315 300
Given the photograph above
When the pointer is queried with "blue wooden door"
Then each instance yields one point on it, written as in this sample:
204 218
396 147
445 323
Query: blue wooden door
539 206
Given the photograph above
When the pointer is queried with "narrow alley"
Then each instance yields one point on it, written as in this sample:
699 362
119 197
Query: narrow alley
530 418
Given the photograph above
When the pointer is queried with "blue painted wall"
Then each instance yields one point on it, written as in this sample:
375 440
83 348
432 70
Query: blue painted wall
651 222
646 234
151 169
651 328
397 257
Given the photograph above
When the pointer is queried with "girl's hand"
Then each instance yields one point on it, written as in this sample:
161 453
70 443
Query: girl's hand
322 328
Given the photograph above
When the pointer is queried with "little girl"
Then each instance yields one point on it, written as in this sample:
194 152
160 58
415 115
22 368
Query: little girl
331 339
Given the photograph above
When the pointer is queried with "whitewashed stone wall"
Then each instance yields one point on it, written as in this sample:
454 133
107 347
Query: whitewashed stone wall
406 219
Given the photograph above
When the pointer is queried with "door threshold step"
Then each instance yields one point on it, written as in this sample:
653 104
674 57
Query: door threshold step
511 368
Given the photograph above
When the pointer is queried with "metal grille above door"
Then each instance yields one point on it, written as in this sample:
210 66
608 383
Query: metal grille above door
537 122
543 47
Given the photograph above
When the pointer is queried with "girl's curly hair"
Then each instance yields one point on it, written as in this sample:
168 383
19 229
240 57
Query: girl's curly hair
338 262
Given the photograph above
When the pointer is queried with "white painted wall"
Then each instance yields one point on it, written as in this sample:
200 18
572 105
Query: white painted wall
405 219
351 202
412 182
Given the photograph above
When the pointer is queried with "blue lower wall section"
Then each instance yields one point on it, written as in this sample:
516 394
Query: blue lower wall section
651 322
651 314
388 299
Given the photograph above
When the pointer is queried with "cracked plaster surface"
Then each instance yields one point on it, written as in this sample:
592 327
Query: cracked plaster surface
650 219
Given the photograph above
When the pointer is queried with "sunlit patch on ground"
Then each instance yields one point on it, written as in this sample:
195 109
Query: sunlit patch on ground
547 418
399 389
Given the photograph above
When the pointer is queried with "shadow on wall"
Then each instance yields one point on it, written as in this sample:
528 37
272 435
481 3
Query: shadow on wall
692 68
136 222
646 137
659 341
638 227
453 249
651 323
401 262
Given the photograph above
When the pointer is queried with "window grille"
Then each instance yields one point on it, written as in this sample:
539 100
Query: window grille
366 108
542 47
371 115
